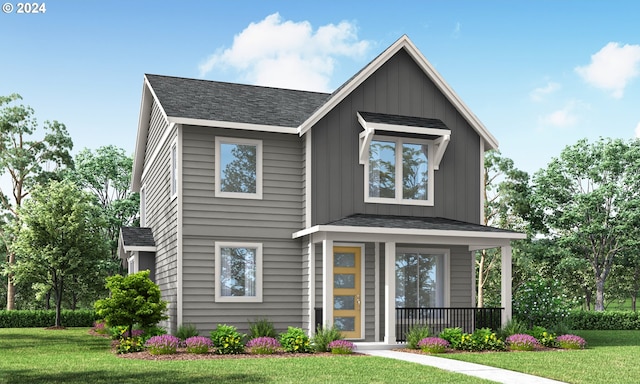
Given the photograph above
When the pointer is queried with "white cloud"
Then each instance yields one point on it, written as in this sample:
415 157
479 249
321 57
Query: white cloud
612 68
638 130
288 54
565 117
539 94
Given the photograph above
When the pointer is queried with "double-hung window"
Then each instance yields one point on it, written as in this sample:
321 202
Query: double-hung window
238 272
399 171
238 164
421 278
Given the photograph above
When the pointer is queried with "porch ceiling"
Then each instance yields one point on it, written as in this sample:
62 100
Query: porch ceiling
405 229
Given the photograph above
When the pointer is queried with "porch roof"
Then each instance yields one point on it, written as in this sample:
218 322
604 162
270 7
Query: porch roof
405 229
136 239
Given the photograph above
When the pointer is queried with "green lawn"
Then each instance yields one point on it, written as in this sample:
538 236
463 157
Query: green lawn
610 357
73 356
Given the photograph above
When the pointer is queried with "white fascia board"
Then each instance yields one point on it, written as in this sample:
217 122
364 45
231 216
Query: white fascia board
409 129
135 248
233 125
409 232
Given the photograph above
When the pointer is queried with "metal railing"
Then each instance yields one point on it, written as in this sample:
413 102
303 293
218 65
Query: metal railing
438 319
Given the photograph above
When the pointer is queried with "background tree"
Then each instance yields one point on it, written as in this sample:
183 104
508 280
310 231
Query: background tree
26 159
59 237
588 201
134 299
239 175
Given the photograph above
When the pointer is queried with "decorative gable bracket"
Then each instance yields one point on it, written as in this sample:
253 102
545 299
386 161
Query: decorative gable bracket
430 128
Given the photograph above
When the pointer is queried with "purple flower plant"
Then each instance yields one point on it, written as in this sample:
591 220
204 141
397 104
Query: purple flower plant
263 346
341 347
134 333
162 345
433 345
571 342
522 342
198 344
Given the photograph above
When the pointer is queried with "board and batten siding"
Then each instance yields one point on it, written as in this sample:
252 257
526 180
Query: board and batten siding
161 210
270 221
399 87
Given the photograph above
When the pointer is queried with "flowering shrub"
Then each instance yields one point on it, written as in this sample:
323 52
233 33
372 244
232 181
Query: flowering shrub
571 342
295 340
121 332
433 345
227 340
522 342
129 345
541 301
323 336
541 334
482 339
198 344
162 345
100 328
263 345
415 334
341 347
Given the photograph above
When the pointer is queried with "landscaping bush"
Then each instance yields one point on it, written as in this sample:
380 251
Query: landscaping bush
263 346
130 345
100 328
453 336
186 331
227 340
162 345
46 318
513 327
121 332
198 344
323 337
522 342
482 339
541 301
433 345
415 335
571 342
295 340
262 328
543 336
341 347
603 321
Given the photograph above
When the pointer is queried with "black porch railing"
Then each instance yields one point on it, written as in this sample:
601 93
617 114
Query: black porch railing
438 319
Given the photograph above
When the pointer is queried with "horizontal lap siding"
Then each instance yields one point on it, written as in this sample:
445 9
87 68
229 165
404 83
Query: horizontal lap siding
270 221
161 210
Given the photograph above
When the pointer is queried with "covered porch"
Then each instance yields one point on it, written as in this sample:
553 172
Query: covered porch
376 276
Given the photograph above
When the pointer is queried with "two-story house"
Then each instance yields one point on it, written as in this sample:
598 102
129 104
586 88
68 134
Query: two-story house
359 209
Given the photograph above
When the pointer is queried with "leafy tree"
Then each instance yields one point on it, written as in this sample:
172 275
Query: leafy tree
107 174
135 299
588 199
59 237
26 159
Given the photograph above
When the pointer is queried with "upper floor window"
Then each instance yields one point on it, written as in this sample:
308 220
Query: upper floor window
238 170
399 171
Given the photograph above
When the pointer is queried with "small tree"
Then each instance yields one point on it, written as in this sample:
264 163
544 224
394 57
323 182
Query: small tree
135 299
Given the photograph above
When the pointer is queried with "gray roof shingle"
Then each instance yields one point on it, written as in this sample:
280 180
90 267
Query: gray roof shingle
230 102
137 237
383 118
408 222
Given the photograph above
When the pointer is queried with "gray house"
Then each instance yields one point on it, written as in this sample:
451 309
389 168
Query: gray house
359 209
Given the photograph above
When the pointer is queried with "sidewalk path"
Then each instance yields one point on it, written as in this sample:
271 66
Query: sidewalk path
490 373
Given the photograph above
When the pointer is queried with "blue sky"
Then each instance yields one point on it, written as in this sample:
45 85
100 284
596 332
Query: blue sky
539 74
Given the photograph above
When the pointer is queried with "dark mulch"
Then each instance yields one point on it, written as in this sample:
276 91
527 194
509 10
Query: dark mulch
182 354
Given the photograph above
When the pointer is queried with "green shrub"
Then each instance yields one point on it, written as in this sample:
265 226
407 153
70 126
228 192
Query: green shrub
415 334
453 336
324 336
186 331
512 327
541 301
227 340
46 318
130 345
295 341
482 339
544 337
262 327
603 321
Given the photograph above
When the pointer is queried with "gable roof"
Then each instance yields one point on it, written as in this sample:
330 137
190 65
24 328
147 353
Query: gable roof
137 239
402 43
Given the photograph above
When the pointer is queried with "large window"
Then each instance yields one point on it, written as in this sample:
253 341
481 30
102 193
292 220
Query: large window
399 171
238 165
238 272
420 278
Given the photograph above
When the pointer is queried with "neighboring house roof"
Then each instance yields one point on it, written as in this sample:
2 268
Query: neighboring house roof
137 239
182 98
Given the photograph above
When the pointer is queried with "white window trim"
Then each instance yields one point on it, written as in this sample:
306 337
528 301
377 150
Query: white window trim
173 153
218 267
239 141
399 198
132 264
446 273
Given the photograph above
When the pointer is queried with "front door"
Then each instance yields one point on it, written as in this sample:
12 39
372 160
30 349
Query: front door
347 308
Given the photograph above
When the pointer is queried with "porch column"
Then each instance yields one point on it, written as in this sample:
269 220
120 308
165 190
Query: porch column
506 284
327 283
390 293
311 286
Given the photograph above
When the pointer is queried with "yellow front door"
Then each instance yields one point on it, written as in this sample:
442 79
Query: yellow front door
347 291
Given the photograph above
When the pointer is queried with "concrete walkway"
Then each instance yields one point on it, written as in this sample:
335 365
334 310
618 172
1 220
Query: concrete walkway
472 369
